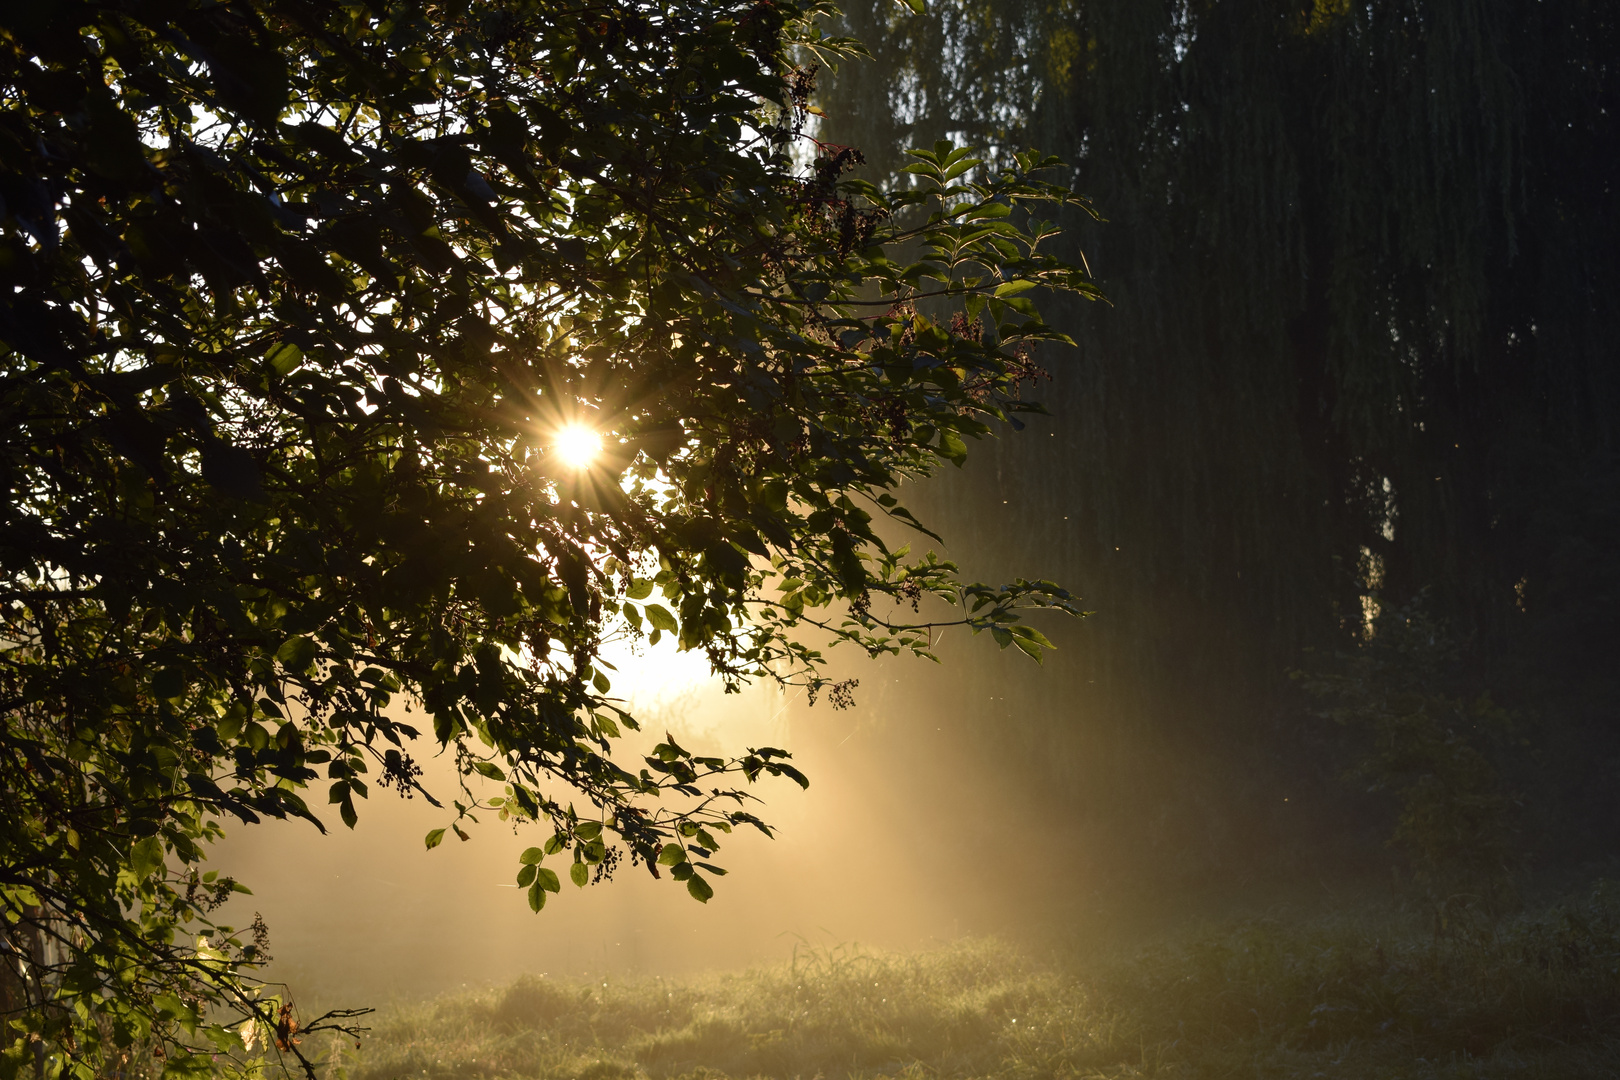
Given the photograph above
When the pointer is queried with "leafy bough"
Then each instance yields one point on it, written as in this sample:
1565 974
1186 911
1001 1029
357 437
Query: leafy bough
298 301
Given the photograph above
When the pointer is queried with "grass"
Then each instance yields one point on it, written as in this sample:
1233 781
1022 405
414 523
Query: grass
1532 995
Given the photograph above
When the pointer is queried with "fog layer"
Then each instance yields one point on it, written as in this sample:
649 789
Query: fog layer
876 851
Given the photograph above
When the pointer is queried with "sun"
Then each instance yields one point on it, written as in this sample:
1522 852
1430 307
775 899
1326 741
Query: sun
578 445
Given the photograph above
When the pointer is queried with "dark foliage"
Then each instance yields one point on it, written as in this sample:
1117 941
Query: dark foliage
1362 345
298 298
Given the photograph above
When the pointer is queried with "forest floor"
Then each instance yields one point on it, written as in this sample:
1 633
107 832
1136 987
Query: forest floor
1390 994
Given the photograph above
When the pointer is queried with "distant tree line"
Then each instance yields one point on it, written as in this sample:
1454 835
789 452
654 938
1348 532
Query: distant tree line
1360 353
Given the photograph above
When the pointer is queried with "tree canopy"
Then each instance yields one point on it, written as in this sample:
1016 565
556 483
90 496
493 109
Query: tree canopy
306 307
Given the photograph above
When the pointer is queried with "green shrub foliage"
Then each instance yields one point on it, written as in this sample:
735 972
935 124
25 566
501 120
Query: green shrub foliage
297 298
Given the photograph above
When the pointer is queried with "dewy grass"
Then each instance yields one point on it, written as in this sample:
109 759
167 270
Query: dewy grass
1536 995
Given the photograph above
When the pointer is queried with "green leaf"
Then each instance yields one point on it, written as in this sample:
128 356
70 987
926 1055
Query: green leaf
701 891
546 879
297 653
671 854
1013 288
537 897
580 874
145 856
171 1005
588 830
346 810
526 876
531 856
435 837
659 616
773 495
1032 635
793 774
283 358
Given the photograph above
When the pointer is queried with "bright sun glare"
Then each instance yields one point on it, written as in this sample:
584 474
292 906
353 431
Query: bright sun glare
578 445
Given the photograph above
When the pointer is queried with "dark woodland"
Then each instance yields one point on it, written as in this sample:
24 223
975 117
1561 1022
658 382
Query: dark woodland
1358 366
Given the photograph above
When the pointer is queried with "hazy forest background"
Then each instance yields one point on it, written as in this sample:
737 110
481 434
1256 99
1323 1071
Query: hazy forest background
1359 358
1336 469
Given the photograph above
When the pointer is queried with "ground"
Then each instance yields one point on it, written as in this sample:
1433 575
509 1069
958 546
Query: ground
1389 992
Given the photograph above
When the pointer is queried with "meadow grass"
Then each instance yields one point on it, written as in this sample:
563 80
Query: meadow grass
1392 995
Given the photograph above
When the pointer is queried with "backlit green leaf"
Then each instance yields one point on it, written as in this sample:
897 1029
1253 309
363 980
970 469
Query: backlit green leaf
701 890
145 856
298 653
659 617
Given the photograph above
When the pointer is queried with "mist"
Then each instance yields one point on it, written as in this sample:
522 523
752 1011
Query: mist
980 796
890 850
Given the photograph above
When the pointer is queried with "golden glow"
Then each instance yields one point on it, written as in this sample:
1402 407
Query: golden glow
578 445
